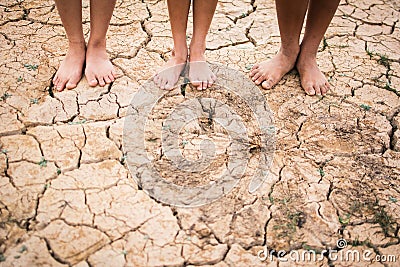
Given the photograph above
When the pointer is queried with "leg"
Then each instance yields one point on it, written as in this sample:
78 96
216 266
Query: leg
320 14
70 71
169 74
290 19
99 69
199 73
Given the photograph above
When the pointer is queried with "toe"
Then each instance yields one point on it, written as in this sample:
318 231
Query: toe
256 76
91 79
55 82
205 85
163 82
254 69
328 86
93 83
107 79
317 89
111 77
323 89
267 84
61 85
73 82
259 80
168 86
102 83
156 80
210 82
196 83
71 85
309 89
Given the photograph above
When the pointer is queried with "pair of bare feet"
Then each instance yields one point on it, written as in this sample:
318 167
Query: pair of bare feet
98 69
269 73
200 75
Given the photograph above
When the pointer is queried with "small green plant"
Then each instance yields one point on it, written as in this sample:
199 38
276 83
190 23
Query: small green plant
42 162
4 151
31 66
2 257
321 172
184 143
5 96
344 220
166 127
46 186
385 221
370 53
365 107
58 171
243 15
123 158
23 249
19 79
77 122
392 199
34 101
124 252
271 199
384 61
249 66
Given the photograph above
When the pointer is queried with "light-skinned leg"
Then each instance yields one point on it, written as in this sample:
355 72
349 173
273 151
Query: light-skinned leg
320 14
99 69
168 75
291 15
200 74
70 71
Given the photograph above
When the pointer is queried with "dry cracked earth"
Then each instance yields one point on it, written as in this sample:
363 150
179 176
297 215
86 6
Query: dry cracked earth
67 197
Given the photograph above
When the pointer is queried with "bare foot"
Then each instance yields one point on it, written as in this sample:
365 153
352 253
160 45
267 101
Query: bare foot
312 79
200 74
269 73
99 70
70 71
168 75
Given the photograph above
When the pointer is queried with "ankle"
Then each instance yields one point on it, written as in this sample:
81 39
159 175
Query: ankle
307 56
197 49
97 43
76 45
197 55
180 54
290 52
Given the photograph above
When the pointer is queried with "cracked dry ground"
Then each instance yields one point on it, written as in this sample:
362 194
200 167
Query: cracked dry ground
67 197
